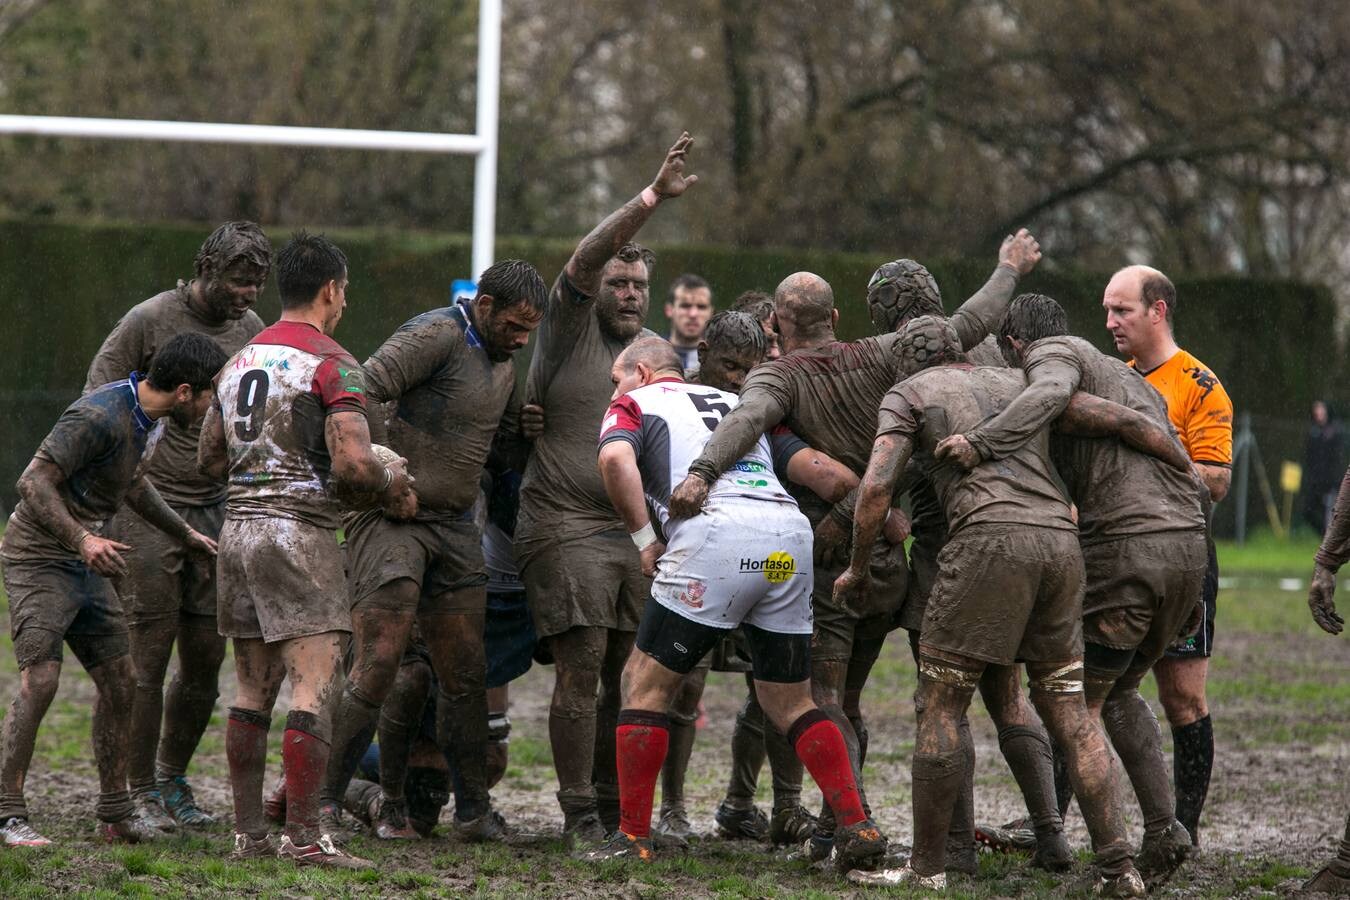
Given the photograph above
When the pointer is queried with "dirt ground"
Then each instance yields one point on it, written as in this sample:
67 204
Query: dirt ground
1280 699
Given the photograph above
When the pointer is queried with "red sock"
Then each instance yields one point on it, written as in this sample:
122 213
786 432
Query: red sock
641 741
246 753
304 758
821 749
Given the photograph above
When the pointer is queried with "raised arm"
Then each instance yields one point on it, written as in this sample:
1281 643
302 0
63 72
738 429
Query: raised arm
982 314
1090 416
761 407
1333 553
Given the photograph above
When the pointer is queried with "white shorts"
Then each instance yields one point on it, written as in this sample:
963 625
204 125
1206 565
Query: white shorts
742 560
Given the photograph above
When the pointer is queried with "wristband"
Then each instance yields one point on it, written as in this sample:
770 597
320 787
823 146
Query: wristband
80 539
650 197
644 537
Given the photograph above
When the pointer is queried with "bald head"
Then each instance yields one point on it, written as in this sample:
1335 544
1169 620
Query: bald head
655 353
1146 285
804 307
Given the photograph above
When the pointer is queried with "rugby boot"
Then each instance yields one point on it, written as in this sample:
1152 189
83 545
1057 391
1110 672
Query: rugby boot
583 828
858 846
16 832
490 826
182 805
334 825
323 852
1016 836
246 847
741 824
904 875
621 846
791 825
274 805
150 810
673 830
1052 852
1126 884
389 821
1161 854
130 830
1329 880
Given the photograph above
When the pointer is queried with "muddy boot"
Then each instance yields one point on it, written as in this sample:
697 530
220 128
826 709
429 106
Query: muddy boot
246 847
673 828
1126 884
16 832
737 824
1052 850
892 877
323 852
1016 836
130 830
621 846
791 825
1330 879
389 821
1162 854
858 846
150 810
488 827
584 828
182 805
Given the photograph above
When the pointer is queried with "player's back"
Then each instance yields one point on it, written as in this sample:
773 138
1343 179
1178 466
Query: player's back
275 395
946 400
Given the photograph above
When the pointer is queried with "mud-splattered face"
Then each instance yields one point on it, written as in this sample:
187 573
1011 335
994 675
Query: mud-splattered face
233 291
725 368
621 306
506 330
190 408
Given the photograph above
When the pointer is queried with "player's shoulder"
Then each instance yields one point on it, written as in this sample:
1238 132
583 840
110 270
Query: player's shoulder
1197 378
305 338
153 309
1066 345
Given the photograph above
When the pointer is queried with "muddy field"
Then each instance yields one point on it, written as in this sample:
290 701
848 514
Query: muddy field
1280 699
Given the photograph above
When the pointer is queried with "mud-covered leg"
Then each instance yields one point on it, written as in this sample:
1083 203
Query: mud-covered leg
115 680
578 655
683 713
604 773
37 687
151 643
457 655
188 704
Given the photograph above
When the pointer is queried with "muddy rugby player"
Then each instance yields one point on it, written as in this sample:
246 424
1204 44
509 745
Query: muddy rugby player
1005 590
582 577
288 428
446 383
169 595
745 561
57 565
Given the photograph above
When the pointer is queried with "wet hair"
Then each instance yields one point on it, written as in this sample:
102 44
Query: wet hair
655 353
1154 286
738 331
189 358
756 303
231 242
305 265
916 294
928 341
807 300
513 282
1031 317
632 252
689 282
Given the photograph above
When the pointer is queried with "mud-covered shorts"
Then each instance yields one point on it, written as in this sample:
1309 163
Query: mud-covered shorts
1201 644
923 572
594 581
279 579
59 600
1141 589
1008 593
837 629
163 579
442 556
742 560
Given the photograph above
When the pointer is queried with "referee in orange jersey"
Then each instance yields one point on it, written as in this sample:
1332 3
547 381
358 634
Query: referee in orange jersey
1140 303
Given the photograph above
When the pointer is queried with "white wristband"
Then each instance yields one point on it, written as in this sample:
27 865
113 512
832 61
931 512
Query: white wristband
644 537
650 197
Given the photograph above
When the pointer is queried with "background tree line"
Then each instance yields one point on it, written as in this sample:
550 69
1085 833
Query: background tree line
1205 136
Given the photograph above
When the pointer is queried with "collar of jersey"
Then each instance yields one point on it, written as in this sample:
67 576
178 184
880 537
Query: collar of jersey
143 421
470 333
666 379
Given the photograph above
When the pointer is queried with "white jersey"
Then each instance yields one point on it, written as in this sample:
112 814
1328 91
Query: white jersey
669 421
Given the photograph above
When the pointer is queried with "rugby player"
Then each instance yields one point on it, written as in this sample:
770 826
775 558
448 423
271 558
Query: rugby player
1140 304
1006 590
760 305
448 378
288 428
745 562
581 573
57 564
167 594
1142 533
1334 877
688 309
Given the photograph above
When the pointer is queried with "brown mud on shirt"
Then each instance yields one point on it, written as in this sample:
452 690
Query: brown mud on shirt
1119 490
129 347
947 400
448 402
98 444
562 496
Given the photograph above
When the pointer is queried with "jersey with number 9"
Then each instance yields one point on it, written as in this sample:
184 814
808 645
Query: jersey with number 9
275 395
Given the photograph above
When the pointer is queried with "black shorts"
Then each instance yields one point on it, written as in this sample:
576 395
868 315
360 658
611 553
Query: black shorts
1201 644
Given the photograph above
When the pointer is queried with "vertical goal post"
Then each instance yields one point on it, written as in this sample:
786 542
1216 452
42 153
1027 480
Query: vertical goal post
482 145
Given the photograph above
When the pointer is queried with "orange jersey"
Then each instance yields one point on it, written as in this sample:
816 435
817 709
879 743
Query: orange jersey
1198 406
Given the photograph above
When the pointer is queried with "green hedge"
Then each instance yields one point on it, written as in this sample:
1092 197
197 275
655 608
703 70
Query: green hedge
62 286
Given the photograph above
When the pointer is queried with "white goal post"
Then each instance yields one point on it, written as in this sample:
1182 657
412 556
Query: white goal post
482 145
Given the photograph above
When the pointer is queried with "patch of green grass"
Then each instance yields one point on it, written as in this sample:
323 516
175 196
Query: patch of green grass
1264 553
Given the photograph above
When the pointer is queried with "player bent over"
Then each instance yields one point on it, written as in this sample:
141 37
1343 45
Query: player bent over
290 424
746 561
1006 590
56 567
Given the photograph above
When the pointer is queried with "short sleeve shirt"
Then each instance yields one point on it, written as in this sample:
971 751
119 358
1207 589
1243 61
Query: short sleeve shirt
275 396
1198 406
98 444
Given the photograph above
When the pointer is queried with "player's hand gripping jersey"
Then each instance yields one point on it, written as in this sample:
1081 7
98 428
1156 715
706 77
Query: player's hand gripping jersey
275 395
748 557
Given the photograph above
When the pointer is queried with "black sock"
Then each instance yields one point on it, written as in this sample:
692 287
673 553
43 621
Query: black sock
1192 762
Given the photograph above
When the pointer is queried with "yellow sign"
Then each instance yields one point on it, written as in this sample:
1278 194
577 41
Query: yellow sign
779 566
1291 476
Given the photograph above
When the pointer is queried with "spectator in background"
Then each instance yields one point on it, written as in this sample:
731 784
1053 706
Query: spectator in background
760 305
1323 464
688 309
